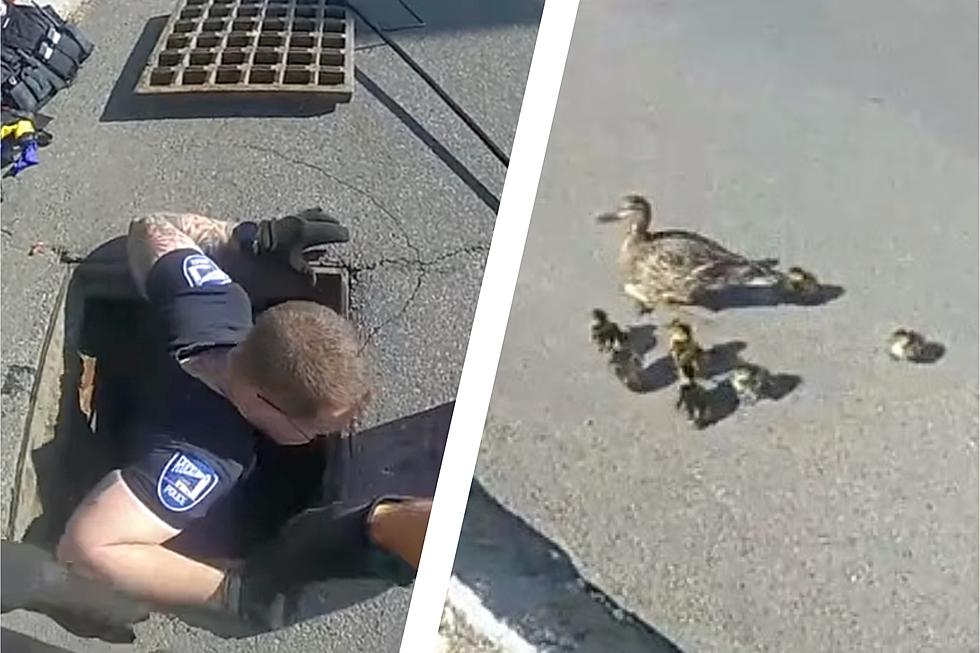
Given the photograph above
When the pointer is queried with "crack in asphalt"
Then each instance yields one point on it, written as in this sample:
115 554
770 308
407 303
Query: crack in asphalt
392 218
421 264
422 269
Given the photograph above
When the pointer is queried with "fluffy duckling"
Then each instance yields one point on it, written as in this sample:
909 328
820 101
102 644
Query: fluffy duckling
675 266
907 345
686 352
627 365
604 333
695 400
800 282
750 382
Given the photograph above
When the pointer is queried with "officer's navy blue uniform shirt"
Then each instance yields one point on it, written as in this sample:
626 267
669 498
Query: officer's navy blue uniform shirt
194 454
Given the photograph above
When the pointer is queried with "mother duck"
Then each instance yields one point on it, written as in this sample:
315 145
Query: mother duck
676 266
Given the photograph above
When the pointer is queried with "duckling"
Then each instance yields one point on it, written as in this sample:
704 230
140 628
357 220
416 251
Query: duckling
675 266
800 282
695 400
686 352
750 382
605 333
627 365
908 345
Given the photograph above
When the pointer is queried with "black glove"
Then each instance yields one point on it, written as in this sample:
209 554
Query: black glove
33 580
286 238
329 547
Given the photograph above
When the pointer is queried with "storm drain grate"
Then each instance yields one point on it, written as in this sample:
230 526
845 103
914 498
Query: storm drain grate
254 46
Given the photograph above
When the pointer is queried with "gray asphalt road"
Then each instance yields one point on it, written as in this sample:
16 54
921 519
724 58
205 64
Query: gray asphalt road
838 136
395 164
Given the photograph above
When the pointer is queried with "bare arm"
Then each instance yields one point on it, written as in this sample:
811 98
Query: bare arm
399 527
114 538
157 234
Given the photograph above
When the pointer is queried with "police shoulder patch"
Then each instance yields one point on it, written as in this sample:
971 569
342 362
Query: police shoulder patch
199 270
185 481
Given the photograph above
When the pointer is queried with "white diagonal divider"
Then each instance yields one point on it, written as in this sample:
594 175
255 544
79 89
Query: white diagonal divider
489 324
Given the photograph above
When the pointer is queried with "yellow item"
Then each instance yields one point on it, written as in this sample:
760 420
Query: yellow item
18 129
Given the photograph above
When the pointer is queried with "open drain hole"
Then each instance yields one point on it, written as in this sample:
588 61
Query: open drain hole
271 40
262 76
330 78
298 76
240 40
207 41
202 57
267 57
162 77
299 57
332 59
194 77
232 57
229 76
105 369
170 58
302 25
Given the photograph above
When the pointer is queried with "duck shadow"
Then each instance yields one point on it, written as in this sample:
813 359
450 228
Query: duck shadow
642 338
722 400
723 358
931 353
781 385
720 359
722 403
757 296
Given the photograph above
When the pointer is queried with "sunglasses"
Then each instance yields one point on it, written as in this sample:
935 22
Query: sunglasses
351 427
309 438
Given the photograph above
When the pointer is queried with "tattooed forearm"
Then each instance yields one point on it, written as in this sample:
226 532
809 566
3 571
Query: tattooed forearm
155 235
210 235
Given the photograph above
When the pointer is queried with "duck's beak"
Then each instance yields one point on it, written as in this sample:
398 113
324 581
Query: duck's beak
609 216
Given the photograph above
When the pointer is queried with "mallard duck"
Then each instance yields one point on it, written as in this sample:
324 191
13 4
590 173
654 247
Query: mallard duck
685 351
604 333
907 345
695 400
750 382
674 266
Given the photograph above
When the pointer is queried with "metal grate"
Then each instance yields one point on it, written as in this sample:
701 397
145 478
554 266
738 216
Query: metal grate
254 46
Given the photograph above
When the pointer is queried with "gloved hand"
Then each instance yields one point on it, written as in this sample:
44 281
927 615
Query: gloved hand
285 238
34 580
329 547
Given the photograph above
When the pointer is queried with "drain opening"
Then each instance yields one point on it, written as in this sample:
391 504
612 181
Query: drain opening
102 368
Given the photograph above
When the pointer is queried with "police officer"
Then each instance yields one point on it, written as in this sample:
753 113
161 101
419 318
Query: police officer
293 375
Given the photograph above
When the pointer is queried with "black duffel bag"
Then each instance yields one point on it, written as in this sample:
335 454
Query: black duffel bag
41 55
27 84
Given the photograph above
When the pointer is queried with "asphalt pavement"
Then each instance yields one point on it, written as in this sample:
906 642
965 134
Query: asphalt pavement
414 184
838 136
